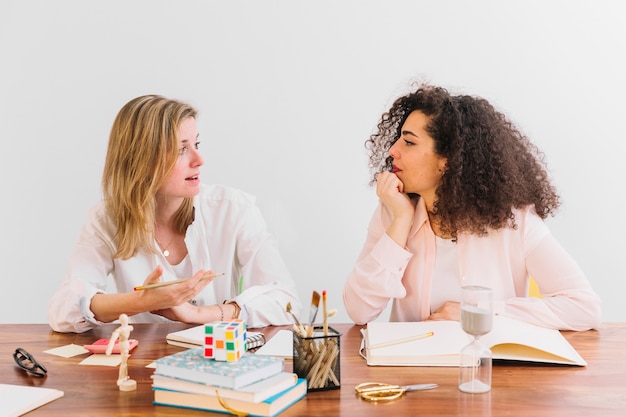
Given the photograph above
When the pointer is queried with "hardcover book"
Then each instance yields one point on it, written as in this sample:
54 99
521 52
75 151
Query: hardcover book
192 365
253 393
268 408
509 339
194 337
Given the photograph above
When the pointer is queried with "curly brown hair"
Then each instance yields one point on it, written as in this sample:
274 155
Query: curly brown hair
492 168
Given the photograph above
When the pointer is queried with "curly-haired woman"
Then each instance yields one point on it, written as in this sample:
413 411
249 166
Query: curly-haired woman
463 195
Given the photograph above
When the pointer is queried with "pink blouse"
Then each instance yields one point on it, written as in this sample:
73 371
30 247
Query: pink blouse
503 260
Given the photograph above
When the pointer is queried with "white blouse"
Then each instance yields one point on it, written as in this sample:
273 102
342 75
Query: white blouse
228 235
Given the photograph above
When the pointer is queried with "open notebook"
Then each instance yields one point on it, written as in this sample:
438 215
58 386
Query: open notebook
509 340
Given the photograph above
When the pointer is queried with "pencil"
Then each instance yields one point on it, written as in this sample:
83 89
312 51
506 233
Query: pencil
176 281
403 340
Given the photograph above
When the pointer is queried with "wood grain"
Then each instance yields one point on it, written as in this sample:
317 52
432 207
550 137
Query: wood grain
517 389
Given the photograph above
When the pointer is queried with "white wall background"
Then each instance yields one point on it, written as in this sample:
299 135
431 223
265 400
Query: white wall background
288 91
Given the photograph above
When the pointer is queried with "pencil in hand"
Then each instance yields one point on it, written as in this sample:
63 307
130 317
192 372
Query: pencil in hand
176 281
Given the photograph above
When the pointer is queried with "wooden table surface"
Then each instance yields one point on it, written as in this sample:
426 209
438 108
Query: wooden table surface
599 389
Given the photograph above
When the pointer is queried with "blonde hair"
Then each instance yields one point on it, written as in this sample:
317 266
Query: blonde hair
143 149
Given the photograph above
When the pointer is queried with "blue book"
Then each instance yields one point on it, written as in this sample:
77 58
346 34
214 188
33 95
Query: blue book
269 408
191 365
253 393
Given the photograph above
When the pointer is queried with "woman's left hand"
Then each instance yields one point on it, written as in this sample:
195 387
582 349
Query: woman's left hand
450 310
185 313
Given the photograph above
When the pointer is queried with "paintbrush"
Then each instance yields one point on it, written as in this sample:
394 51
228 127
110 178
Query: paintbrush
325 312
315 303
297 323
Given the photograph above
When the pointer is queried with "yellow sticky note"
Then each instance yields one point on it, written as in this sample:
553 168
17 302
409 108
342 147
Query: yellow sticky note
102 359
67 351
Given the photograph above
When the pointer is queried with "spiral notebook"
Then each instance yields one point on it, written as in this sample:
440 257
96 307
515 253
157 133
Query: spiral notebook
194 337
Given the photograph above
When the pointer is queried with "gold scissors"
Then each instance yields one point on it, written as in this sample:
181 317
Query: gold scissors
380 391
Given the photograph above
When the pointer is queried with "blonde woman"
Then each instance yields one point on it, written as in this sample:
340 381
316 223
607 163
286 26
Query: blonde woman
157 222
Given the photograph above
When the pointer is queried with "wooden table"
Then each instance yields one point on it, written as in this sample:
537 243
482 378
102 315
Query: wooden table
518 390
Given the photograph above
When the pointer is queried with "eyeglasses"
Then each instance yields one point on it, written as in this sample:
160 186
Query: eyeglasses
27 362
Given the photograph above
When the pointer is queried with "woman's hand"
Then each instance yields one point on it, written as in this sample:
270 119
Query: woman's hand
450 310
188 313
389 189
171 295
185 313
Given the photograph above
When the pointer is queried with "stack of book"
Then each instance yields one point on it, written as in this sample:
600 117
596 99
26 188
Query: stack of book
255 384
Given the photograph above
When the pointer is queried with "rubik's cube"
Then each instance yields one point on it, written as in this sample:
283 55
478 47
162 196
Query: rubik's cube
225 340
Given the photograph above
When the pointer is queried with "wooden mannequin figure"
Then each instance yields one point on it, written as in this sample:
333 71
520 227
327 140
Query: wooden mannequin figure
123 333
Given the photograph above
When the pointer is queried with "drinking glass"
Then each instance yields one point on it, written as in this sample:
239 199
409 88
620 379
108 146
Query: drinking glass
476 320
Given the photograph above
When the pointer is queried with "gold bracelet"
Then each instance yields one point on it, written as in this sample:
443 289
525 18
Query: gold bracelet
221 312
237 308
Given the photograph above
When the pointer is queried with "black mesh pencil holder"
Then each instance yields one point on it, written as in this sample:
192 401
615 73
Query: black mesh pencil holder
316 358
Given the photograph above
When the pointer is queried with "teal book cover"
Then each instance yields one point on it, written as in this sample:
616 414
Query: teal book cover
270 407
192 365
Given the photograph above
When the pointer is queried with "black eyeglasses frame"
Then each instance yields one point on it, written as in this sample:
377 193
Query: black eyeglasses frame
27 362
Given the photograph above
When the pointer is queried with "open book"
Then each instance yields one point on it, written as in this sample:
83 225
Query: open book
509 339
